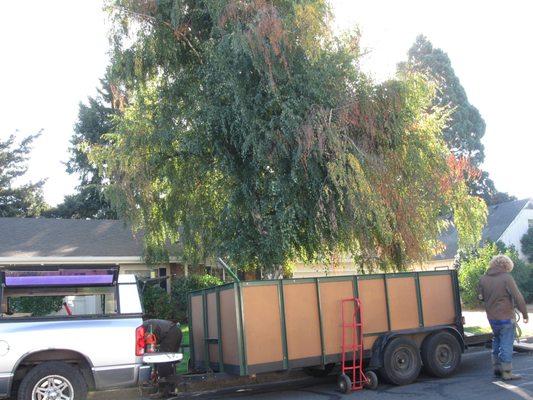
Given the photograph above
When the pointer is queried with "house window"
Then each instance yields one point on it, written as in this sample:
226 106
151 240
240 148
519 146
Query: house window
530 223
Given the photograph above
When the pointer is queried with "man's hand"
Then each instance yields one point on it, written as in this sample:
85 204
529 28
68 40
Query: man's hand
526 320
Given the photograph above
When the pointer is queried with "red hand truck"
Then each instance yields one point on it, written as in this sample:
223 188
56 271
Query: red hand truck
352 375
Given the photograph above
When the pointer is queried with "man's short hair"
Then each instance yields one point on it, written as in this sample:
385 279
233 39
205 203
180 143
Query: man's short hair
502 261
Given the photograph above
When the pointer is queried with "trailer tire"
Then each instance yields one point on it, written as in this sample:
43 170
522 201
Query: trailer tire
441 354
67 380
318 372
401 361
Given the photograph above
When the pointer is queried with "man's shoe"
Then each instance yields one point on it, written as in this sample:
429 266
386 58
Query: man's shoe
507 373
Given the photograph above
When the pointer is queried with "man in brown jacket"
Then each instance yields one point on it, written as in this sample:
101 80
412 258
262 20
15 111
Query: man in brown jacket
498 291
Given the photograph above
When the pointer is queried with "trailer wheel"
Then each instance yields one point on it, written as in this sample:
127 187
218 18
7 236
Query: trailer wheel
441 354
318 372
344 383
401 361
373 381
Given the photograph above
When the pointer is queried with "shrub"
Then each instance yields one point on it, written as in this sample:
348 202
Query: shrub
159 304
474 265
183 285
36 306
527 244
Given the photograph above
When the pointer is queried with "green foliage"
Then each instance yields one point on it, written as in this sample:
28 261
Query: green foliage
183 285
474 265
36 306
466 127
247 130
94 120
23 200
157 303
527 244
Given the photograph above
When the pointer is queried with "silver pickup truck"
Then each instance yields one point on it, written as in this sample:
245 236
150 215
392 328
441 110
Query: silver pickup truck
64 331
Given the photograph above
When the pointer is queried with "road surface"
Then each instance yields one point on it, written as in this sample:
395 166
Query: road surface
473 381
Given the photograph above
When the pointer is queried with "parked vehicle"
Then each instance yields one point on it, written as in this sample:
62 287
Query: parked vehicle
409 321
64 331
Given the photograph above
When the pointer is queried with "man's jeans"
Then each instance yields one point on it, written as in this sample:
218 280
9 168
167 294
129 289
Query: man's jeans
502 344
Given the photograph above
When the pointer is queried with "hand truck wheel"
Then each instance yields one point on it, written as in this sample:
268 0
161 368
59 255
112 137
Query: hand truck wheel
344 384
372 380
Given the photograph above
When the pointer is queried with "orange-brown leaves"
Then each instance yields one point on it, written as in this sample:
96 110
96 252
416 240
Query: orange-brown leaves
460 169
263 29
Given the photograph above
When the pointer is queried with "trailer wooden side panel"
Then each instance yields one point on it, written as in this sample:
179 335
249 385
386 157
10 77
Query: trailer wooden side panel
301 310
197 326
228 320
374 305
330 295
438 302
262 327
212 326
403 308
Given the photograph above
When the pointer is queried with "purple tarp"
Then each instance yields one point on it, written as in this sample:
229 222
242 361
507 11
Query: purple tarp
59 278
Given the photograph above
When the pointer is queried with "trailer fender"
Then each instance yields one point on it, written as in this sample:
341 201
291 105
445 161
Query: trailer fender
376 360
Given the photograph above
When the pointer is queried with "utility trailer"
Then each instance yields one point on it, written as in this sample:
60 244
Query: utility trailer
409 320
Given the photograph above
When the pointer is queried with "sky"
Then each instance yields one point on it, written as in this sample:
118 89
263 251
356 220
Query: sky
53 53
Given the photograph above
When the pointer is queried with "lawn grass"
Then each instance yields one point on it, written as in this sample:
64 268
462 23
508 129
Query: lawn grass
182 366
477 330
527 331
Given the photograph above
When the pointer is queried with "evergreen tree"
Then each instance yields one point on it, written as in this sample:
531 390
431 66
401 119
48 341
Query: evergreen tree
94 120
18 200
465 127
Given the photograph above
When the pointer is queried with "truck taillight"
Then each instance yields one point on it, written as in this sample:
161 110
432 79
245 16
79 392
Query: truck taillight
139 341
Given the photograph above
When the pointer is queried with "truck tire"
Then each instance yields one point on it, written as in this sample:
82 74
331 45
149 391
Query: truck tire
51 380
441 354
401 361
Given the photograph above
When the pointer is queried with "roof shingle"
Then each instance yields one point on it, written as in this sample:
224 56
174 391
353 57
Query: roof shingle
46 237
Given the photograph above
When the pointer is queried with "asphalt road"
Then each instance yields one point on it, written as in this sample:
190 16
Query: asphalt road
472 381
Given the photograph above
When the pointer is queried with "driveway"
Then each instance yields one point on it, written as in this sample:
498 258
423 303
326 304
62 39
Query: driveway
473 381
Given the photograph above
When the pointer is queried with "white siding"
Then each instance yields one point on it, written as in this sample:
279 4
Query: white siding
517 229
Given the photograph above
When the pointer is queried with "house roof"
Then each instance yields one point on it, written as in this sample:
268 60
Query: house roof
500 216
23 238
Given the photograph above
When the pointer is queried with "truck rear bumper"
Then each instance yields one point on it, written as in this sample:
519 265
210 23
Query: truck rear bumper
121 376
145 373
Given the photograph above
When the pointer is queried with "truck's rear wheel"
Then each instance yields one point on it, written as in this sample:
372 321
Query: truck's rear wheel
441 354
401 361
53 381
